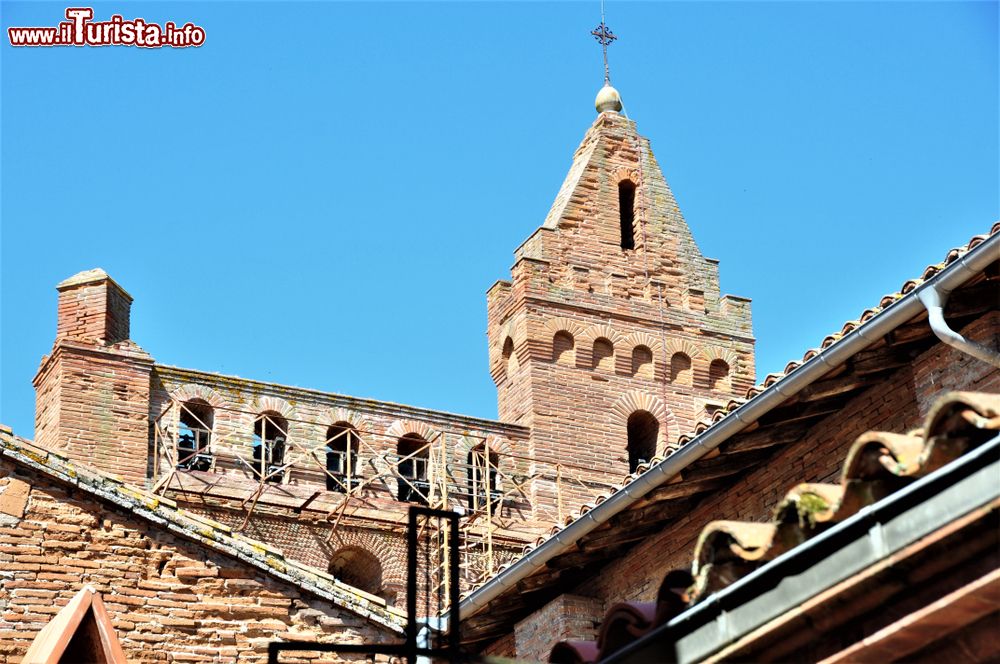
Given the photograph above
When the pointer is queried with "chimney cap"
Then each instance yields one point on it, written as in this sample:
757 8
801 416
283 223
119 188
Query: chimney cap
93 276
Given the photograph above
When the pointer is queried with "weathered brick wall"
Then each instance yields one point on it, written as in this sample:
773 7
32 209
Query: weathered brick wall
316 544
661 299
169 599
236 403
373 521
91 403
98 393
92 391
567 617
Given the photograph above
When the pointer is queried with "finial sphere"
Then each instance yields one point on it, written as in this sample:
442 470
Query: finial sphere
608 99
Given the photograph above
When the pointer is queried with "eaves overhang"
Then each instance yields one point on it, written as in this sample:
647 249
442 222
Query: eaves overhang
847 549
895 311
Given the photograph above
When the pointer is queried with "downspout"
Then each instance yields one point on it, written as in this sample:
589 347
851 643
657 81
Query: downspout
934 298
953 276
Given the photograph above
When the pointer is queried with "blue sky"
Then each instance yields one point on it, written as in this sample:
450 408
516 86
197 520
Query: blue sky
322 193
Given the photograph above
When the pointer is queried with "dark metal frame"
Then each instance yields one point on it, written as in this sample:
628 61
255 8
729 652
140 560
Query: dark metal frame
410 649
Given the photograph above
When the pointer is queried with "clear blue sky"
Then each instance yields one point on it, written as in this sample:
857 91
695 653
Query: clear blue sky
322 193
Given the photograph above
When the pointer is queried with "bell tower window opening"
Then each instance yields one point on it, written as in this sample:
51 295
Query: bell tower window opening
413 484
342 443
194 435
626 213
270 431
484 479
642 432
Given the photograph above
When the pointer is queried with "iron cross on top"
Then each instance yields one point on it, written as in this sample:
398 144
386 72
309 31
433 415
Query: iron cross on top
604 35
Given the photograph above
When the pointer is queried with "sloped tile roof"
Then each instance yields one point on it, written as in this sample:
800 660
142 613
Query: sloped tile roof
164 513
701 427
877 465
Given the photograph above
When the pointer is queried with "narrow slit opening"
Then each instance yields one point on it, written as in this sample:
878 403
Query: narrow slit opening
626 213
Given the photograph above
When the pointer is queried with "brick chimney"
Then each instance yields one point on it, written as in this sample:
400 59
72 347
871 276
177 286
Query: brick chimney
92 391
93 308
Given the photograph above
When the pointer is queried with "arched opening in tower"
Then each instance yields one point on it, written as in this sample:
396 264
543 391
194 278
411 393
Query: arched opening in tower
413 486
195 435
270 431
642 431
342 443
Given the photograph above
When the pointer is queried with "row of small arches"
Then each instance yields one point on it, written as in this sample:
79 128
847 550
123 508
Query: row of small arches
342 449
602 358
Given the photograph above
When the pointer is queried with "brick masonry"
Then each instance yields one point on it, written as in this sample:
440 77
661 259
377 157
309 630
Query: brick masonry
92 391
567 617
169 599
898 403
587 333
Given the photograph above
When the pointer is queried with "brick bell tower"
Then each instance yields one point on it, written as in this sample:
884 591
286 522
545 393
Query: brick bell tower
92 390
611 338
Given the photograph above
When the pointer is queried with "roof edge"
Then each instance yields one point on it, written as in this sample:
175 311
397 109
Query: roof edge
162 512
879 531
972 262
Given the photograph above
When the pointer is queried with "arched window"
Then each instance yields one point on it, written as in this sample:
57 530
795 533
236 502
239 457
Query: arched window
718 375
270 431
194 436
509 358
562 348
642 432
413 485
604 355
342 443
680 369
483 479
357 567
626 212
642 362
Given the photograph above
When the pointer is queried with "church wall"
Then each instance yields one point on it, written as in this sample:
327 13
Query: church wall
898 403
374 520
167 597
567 617
236 403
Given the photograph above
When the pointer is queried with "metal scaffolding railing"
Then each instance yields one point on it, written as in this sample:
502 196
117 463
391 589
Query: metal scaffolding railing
496 492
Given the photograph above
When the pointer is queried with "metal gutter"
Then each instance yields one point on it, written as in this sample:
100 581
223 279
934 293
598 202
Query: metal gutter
934 300
907 307
866 538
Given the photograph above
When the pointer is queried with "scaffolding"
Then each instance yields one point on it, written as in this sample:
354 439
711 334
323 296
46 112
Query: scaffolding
339 473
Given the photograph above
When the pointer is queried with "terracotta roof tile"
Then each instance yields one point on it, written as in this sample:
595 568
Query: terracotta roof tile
701 427
877 464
